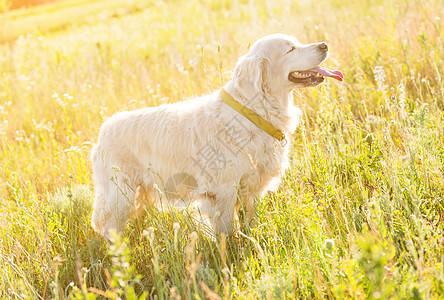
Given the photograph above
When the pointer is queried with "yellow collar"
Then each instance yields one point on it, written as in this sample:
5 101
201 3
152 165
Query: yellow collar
252 116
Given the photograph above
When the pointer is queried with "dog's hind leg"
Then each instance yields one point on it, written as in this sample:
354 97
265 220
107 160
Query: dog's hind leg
114 202
113 206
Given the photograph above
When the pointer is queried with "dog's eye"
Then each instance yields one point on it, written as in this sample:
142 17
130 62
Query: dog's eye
292 48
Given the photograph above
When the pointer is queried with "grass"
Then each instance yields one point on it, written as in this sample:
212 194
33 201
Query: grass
358 215
57 15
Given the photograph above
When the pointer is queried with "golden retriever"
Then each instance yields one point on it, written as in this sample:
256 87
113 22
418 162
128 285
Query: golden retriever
203 149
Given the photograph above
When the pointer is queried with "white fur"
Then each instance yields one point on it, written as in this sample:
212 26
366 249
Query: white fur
162 145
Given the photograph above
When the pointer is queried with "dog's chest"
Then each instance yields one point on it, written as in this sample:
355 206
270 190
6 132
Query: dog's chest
272 160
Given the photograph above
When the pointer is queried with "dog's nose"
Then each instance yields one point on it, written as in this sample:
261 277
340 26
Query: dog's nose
323 46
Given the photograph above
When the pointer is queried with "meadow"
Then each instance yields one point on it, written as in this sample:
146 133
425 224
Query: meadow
359 214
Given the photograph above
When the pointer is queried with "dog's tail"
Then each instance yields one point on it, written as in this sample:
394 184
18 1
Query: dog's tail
98 218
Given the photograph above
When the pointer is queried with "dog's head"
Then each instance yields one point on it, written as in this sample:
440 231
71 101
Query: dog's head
280 62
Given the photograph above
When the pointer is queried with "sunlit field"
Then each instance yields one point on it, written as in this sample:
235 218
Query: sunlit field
360 212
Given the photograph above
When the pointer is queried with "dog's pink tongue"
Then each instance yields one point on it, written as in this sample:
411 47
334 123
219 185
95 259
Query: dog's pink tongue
329 73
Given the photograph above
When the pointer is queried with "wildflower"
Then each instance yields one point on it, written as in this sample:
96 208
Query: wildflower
68 96
379 73
329 244
401 97
372 119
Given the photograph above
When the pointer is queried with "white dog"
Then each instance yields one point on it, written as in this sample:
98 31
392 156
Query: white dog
224 149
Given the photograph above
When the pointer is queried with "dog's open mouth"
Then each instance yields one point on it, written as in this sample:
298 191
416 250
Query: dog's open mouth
315 75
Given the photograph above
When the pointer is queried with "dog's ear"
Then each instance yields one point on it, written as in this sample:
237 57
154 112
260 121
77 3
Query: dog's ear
250 70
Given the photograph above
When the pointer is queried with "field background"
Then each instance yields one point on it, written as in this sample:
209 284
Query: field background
359 214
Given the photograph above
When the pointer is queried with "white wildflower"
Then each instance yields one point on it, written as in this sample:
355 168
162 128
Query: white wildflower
379 73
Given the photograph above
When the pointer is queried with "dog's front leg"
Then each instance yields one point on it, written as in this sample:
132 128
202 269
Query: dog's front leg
218 204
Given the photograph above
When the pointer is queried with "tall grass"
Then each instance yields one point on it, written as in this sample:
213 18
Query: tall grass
358 215
54 16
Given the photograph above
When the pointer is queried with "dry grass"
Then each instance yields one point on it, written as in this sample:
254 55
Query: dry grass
359 214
